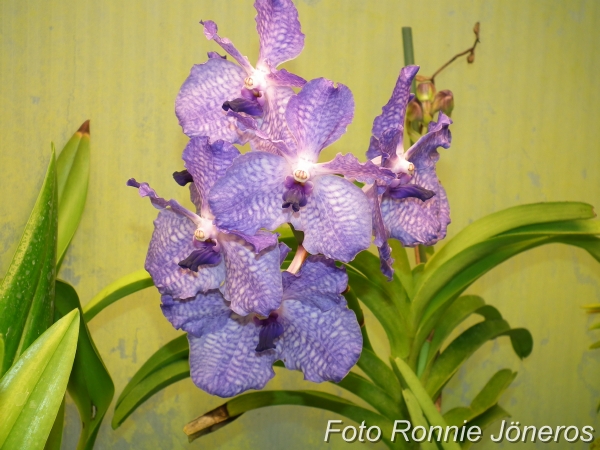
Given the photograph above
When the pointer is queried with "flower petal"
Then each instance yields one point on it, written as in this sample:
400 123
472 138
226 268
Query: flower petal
207 163
279 31
349 166
318 116
210 31
323 345
200 100
378 226
392 114
204 314
172 242
249 196
260 241
318 283
225 363
282 77
253 282
337 219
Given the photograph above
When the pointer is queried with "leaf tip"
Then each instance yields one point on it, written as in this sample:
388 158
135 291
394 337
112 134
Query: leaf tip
85 128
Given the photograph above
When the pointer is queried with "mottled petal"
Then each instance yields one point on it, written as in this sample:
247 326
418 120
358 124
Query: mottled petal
349 166
379 231
410 190
393 113
260 241
438 135
145 190
337 219
323 345
196 198
200 100
207 163
318 283
270 329
386 261
210 31
444 212
225 362
283 252
203 314
216 55
284 78
278 30
248 197
253 282
172 242
318 116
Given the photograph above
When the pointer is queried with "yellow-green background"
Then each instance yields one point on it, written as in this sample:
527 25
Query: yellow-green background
526 130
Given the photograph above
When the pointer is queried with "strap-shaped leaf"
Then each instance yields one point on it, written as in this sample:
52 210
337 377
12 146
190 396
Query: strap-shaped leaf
402 267
373 395
27 290
569 227
417 418
508 219
171 352
404 373
381 374
123 287
90 385
462 348
383 309
484 420
254 400
354 305
161 378
32 390
73 173
54 440
486 399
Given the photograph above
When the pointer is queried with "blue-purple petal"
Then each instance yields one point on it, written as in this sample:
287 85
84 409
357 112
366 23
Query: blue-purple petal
393 113
260 241
349 166
248 197
318 116
208 162
318 283
282 77
337 219
201 97
172 242
279 31
225 363
253 282
203 314
323 345
379 231
210 31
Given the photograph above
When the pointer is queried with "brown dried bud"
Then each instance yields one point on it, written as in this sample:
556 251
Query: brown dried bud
476 30
414 112
425 91
471 58
443 101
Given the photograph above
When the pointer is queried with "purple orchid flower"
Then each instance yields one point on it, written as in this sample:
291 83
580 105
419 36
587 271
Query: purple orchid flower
313 331
265 190
220 85
189 254
413 207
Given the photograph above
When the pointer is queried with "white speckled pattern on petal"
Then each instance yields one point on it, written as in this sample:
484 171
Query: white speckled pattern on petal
323 345
337 219
172 242
204 314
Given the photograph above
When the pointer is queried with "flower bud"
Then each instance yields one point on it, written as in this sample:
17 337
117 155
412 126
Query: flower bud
471 58
414 112
425 91
443 101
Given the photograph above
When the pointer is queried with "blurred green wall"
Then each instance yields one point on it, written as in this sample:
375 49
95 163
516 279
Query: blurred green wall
526 130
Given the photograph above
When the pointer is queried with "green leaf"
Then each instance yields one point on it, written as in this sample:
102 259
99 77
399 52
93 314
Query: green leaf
508 219
354 305
596 326
460 350
417 418
595 345
27 290
33 388
402 267
123 287
484 420
380 373
570 227
169 374
90 385
486 399
54 440
373 395
73 172
171 352
404 372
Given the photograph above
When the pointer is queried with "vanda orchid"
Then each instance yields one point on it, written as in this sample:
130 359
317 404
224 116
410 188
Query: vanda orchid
218 269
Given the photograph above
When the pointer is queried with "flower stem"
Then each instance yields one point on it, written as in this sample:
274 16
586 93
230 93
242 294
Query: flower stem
298 260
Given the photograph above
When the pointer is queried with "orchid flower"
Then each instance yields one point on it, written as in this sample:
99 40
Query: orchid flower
413 207
313 331
220 85
189 254
265 190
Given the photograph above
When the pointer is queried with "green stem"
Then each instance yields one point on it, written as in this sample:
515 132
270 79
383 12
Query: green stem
409 52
